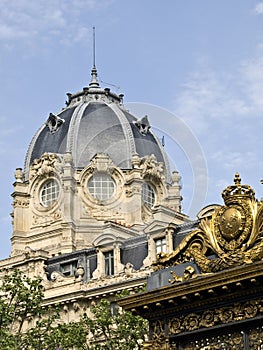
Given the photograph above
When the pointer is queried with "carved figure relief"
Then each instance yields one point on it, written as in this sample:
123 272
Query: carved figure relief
45 166
151 168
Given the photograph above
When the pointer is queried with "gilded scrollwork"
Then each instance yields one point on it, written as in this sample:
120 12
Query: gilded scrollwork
160 344
189 273
255 337
159 341
234 235
214 317
230 340
208 319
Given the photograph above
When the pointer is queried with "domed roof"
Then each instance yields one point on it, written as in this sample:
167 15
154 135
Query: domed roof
95 121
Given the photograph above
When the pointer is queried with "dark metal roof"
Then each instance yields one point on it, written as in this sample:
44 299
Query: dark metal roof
93 125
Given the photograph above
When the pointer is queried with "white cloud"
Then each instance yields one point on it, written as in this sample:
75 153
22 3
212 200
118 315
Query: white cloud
225 110
235 160
259 8
207 97
10 33
222 97
34 21
251 73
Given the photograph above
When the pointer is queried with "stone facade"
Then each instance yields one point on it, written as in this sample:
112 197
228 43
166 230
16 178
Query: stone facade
91 227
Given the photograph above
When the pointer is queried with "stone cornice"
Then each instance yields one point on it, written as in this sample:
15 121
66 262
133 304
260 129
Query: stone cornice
91 289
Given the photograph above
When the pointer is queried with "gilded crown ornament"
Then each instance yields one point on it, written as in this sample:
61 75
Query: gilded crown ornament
237 191
233 236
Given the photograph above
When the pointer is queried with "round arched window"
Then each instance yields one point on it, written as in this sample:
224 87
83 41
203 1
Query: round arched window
49 192
148 195
101 186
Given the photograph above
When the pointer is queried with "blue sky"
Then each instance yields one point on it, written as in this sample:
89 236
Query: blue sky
201 60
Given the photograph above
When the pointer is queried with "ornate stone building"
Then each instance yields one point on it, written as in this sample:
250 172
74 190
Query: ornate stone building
94 203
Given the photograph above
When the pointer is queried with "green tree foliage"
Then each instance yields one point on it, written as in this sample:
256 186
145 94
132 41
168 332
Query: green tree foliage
26 325
20 301
113 329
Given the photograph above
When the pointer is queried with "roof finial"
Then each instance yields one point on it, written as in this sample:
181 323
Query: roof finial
94 81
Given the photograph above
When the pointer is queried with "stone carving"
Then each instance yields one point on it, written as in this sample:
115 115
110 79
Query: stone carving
68 160
22 203
57 215
128 269
151 168
40 269
54 122
19 175
234 234
76 306
129 191
101 163
46 165
48 219
143 125
79 274
29 252
57 276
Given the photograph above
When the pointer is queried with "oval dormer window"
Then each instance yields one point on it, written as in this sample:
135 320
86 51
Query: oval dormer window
101 186
148 195
49 192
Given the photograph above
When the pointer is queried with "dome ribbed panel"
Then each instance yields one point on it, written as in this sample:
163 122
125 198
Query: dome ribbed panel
145 144
100 131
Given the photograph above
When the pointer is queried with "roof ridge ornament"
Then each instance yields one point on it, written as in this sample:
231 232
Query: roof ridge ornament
143 125
54 122
94 83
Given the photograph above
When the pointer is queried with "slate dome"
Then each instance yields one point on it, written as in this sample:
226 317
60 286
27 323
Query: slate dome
95 121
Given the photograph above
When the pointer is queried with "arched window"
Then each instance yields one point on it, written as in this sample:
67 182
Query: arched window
148 195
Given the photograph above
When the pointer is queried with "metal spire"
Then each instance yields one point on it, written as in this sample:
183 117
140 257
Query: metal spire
94 80
94 51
